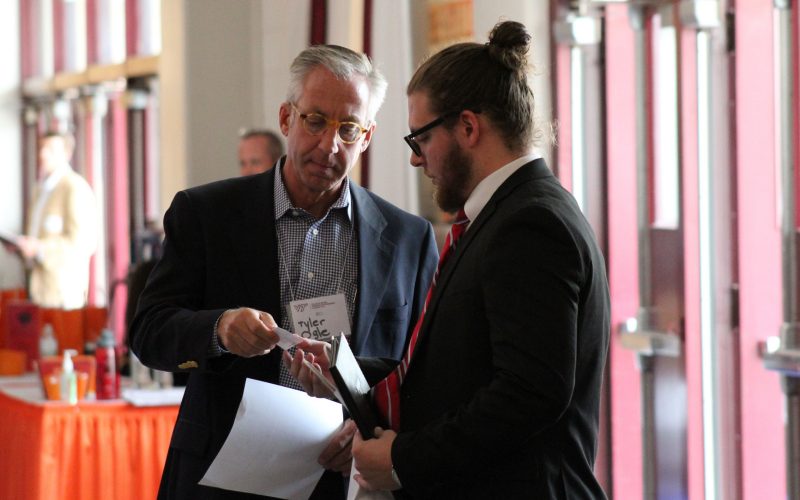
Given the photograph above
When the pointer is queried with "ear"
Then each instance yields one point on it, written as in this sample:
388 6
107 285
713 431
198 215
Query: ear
469 126
368 136
284 118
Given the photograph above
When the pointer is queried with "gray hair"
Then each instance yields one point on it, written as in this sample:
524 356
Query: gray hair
344 64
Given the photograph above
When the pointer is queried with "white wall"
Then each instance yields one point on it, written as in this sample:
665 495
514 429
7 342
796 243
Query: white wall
219 82
211 82
11 272
391 175
535 15
286 31
225 65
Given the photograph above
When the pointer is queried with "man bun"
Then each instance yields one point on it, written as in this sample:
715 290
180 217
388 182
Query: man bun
508 44
490 77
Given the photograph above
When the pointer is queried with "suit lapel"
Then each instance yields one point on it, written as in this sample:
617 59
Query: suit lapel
534 170
376 257
256 247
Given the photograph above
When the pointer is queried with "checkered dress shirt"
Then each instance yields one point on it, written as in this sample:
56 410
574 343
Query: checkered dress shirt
317 257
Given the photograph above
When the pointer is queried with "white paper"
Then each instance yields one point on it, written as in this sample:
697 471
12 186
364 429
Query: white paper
153 397
287 338
275 442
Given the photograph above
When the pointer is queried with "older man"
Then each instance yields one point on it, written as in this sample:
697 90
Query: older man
239 252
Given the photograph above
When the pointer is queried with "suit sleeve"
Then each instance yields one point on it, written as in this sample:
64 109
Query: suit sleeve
530 281
170 327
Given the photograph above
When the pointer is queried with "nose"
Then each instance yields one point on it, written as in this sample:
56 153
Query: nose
329 140
415 160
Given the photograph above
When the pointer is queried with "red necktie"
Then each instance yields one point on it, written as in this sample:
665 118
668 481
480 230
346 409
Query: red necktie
386 393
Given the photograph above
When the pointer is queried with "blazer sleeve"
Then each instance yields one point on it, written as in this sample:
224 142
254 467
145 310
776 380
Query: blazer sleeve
170 330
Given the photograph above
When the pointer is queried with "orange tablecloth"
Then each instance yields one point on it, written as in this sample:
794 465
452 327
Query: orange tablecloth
95 450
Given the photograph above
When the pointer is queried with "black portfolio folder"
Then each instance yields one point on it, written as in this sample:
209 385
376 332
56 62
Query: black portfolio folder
353 388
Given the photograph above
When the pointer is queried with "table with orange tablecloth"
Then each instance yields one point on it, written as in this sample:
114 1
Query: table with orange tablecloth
94 450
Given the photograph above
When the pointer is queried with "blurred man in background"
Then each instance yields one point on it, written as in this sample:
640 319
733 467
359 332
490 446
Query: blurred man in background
259 149
61 235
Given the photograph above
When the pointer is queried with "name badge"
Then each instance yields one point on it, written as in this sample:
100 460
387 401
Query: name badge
320 318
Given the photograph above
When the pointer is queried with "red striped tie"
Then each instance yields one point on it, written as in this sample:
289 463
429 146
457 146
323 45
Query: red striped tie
386 393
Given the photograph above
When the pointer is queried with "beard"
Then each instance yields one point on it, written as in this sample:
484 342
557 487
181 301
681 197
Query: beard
457 171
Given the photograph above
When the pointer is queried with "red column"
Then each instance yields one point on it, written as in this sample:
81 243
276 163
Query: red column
759 242
690 209
119 217
28 42
367 50
91 32
90 173
319 17
563 109
622 252
58 35
132 27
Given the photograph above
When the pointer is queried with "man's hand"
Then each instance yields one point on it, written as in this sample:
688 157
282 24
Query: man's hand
28 246
374 461
337 455
316 353
247 332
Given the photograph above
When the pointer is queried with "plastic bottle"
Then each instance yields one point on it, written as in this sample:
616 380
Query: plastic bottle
89 348
48 345
69 380
108 377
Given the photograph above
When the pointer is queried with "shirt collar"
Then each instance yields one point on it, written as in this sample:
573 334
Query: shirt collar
486 188
283 204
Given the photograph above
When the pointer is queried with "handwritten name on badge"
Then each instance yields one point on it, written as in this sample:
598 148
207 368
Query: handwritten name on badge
313 329
320 318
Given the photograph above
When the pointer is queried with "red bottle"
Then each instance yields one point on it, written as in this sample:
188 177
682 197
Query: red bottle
108 377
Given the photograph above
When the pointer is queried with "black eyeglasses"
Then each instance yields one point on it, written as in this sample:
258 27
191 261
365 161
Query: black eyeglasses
315 124
413 144
410 138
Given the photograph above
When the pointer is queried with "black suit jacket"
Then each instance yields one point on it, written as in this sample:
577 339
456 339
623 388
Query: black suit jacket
501 398
221 252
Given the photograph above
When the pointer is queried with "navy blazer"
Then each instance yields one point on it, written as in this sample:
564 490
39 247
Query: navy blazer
221 252
502 394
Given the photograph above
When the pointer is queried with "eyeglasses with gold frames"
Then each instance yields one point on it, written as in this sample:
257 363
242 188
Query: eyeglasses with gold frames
316 124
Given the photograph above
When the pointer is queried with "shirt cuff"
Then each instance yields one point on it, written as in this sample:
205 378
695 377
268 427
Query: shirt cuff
396 479
216 349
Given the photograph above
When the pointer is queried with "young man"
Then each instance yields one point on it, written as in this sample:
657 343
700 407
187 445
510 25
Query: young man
499 391
238 252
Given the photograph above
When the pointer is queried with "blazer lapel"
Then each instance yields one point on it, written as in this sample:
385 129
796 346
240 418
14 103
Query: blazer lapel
376 257
533 170
255 246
